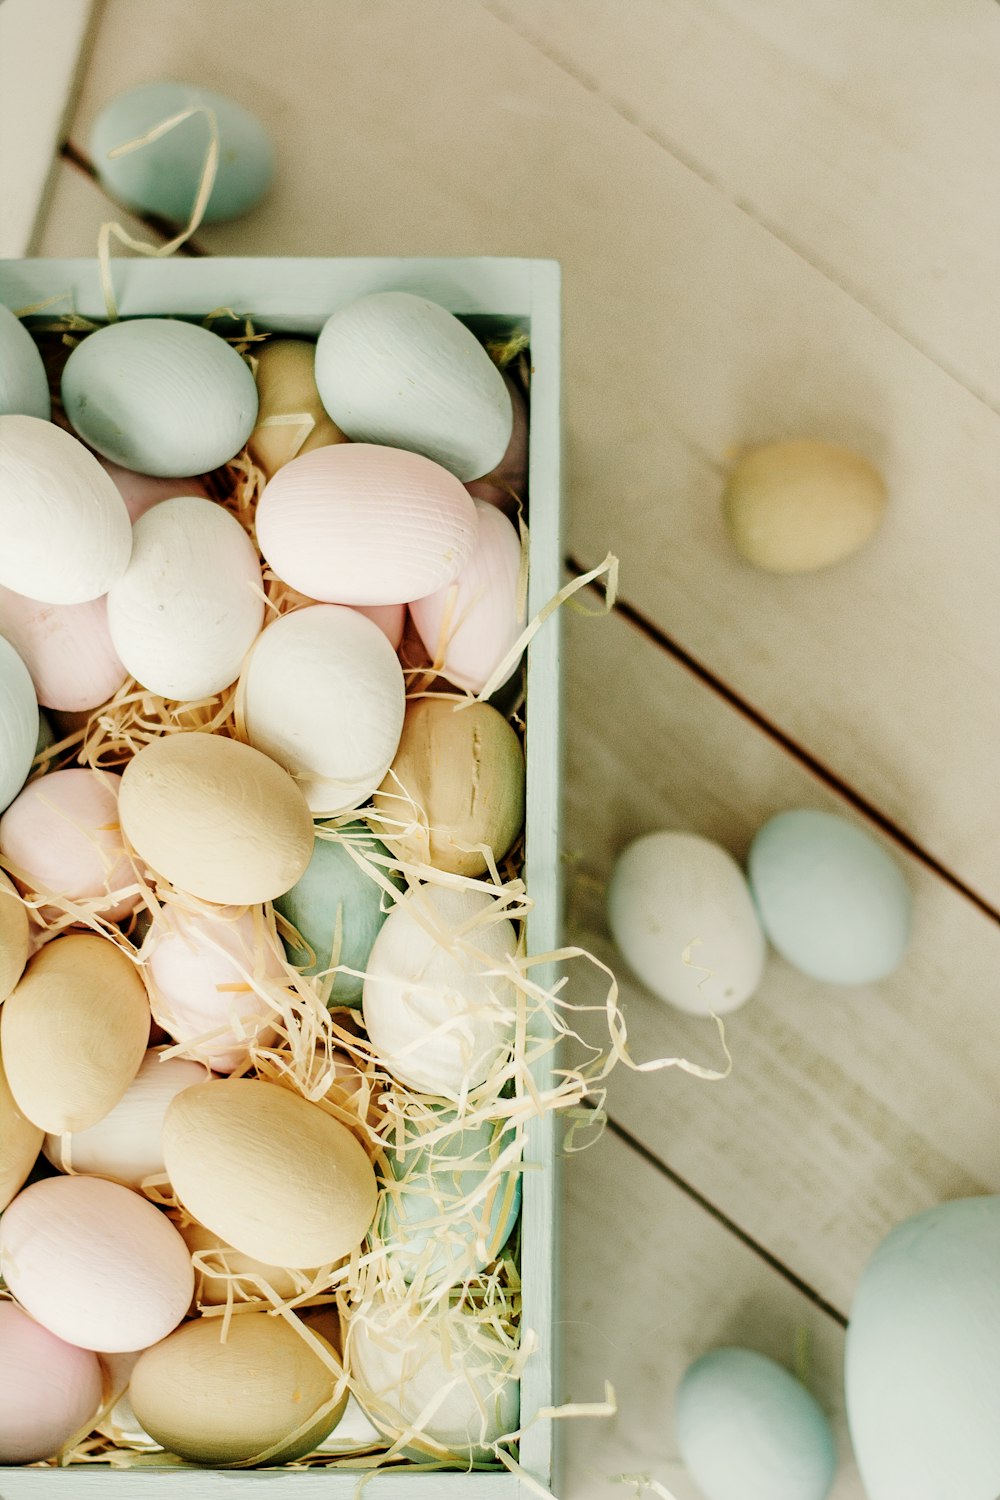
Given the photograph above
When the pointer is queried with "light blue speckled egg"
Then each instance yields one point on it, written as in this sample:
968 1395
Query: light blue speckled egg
162 177
19 723
428 1232
160 396
832 901
24 386
923 1358
748 1430
337 904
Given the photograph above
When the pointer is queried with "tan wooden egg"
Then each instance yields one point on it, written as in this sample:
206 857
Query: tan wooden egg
286 388
457 781
797 506
74 1032
210 1290
216 818
20 1143
262 1394
274 1175
13 936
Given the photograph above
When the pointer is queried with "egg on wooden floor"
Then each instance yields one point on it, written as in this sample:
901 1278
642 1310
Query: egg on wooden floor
235 1144
127 1145
221 1267
163 177
291 418
682 917
142 491
19 723
159 396
67 649
13 936
338 908
469 625
67 535
398 369
61 837
262 1393
748 1430
438 1014
51 1389
24 385
832 901
190 604
362 524
215 818
923 1357
20 1143
797 506
74 1032
95 1263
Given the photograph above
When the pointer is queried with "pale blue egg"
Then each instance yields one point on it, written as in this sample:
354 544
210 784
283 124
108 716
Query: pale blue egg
923 1358
24 385
338 907
832 901
162 177
19 723
425 1226
160 396
748 1430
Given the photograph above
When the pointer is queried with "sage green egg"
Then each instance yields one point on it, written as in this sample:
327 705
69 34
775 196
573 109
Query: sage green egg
338 909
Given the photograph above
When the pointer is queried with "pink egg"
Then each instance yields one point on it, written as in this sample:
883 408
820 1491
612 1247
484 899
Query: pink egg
60 836
356 523
390 619
50 1389
95 1263
511 473
469 625
142 491
198 967
66 648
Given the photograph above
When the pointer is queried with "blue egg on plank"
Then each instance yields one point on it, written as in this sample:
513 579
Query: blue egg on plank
922 1366
338 909
24 385
831 900
163 177
748 1430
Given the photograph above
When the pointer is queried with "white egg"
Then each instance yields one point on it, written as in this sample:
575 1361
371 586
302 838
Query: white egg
469 625
66 532
67 648
397 369
24 386
923 1358
19 723
127 1145
323 694
191 602
437 1005
681 914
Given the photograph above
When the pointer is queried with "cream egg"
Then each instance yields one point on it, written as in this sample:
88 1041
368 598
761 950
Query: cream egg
24 385
51 1389
20 1143
19 723
290 419
67 649
13 936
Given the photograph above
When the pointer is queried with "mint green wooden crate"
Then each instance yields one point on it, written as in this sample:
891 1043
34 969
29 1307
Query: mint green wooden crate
296 296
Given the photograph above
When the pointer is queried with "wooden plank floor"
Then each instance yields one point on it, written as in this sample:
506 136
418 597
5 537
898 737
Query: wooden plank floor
775 217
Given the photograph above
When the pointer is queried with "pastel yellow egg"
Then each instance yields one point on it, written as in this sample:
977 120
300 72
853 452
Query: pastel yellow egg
20 1143
221 1266
13 936
290 418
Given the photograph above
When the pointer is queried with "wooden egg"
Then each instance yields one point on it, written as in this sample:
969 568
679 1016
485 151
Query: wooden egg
322 693
275 1176
359 524
142 491
19 723
127 1145
390 619
221 1262
797 506
398 369
61 836
66 531
74 1032
51 1389
24 385
470 624
217 819
190 603
261 1394
20 1143
95 1263
438 1007
13 937
160 396
290 418
67 648
425 813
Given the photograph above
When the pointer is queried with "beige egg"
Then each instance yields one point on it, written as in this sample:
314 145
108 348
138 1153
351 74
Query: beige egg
272 1174
457 782
290 419
13 936
797 506
74 1032
262 1395
220 1258
20 1143
216 818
